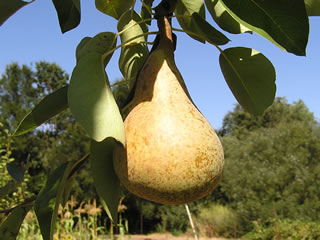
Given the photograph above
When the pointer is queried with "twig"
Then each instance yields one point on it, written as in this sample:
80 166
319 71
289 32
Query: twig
191 223
26 201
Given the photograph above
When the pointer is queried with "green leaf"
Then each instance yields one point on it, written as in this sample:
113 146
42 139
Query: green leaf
184 11
47 108
105 180
9 7
67 190
312 7
250 76
9 228
17 168
89 95
49 198
146 10
133 55
61 196
69 13
71 176
283 22
220 15
208 32
45 201
7 189
113 8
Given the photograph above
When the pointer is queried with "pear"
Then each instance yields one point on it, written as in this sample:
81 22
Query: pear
172 154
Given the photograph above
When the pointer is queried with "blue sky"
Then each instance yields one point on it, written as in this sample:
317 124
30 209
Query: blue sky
33 34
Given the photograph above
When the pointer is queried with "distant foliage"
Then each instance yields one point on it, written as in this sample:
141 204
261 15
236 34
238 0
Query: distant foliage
239 122
59 140
145 216
284 230
216 221
272 164
16 191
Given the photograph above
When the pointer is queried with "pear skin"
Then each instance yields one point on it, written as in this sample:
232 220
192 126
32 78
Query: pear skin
172 155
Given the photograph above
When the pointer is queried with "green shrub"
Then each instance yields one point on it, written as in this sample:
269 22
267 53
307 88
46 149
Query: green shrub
285 230
174 219
216 221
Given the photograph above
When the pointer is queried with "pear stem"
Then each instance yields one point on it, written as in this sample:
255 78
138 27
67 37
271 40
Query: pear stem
165 29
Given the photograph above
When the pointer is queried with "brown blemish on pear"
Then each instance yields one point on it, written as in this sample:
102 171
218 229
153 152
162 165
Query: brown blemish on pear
172 155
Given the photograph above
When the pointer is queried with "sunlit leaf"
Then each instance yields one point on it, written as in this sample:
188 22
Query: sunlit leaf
283 22
208 32
89 95
312 7
250 76
9 7
49 198
184 11
69 13
105 180
9 228
132 56
146 10
47 108
113 8
223 18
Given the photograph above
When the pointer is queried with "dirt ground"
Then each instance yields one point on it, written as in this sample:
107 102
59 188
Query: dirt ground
168 236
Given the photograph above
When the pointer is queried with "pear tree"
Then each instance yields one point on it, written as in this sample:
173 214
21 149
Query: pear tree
248 73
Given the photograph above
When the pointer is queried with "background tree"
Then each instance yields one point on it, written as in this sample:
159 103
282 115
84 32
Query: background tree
272 164
21 88
59 140
12 190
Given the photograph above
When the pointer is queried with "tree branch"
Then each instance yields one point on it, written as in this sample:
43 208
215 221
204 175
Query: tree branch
26 201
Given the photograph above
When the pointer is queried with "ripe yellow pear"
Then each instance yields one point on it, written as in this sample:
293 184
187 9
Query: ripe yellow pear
172 155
